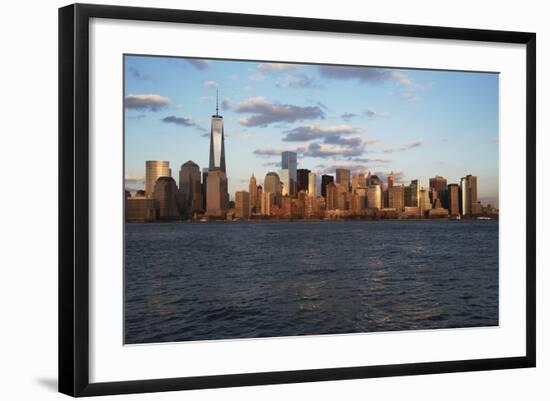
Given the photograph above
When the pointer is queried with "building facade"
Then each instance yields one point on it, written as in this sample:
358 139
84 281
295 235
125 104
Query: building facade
468 194
154 169
289 161
217 142
165 194
242 204
217 201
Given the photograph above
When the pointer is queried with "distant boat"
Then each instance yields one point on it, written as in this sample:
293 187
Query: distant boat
484 218
204 220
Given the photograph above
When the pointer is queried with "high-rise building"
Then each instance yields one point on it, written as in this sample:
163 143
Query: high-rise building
412 194
468 189
312 184
374 196
286 182
217 142
325 180
390 180
217 200
342 196
165 195
438 185
242 204
268 201
272 184
253 193
258 206
289 161
190 189
396 197
331 196
154 169
424 203
302 179
453 202
343 176
204 179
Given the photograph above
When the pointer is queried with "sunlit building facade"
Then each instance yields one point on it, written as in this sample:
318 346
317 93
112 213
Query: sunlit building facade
217 201
154 169
242 204
217 142
312 184
289 161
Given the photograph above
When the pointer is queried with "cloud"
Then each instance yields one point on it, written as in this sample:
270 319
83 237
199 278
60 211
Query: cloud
408 96
344 141
298 81
333 150
364 74
311 132
233 77
209 84
272 164
267 67
198 63
398 176
150 102
225 104
185 121
134 179
411 145
265 112
206 98
373 113
348 116
278 151
369 160
134 72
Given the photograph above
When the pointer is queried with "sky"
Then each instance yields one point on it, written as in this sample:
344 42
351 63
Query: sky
416 123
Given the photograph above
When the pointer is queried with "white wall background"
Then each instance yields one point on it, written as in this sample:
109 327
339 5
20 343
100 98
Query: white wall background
28 200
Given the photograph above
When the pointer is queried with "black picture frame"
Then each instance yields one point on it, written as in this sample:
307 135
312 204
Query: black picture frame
74 200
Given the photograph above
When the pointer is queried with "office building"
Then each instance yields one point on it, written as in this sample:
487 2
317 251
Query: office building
374 196
412 193
424 203
289 161
325 180
286 182
390 180
154 169
438 187
272 184
331 196
217 201
164 194
453 202
140 209
468 194
343 176
302 179
217 142
396 197
312 184
267 203
253 193
190 189
242 204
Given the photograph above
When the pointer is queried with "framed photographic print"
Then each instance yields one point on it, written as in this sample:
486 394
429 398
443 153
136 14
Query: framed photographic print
250 199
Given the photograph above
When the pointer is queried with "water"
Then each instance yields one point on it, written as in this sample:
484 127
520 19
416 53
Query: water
267 279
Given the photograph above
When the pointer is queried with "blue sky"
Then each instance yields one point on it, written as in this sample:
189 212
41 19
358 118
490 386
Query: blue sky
416 123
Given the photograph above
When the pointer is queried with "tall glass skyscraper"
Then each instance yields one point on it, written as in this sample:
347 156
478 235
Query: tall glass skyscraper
217 141
289 161
154 169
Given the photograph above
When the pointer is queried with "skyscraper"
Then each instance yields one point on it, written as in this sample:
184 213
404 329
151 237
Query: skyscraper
242 204
412 194
253 192
424 203
468 189
396 197
374 196
272 184
165 195
217 141
325 180
390 180
302 179
154 169
190 191
343 176
453 202
289 162
438 185
286 182
217 200
312 184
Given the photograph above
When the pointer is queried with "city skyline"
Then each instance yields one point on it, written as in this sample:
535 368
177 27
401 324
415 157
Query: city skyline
327 129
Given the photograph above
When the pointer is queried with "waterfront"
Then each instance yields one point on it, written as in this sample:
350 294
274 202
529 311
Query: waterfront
268 279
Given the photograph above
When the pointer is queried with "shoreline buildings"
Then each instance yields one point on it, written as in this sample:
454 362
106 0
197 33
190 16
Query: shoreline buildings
292 193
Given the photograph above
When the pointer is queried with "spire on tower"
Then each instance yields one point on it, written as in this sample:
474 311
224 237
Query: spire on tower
217 102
